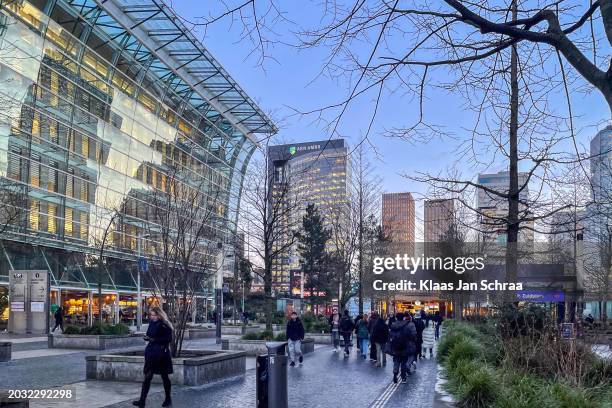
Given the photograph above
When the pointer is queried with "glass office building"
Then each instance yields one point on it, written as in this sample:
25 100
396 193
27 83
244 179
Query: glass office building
313 173
101 100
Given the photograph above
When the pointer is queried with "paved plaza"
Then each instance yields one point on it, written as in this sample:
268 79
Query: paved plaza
326 379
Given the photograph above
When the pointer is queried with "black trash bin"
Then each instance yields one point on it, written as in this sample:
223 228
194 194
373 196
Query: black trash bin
271 373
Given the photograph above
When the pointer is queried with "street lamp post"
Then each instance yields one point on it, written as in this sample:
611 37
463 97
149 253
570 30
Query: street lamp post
138 294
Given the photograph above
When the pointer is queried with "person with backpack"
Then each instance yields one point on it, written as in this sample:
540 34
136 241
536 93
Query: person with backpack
378 338
402 346
363 335
428 338
346 327
295 335
419 324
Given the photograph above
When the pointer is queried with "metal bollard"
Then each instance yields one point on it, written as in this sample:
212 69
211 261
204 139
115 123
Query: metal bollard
271 377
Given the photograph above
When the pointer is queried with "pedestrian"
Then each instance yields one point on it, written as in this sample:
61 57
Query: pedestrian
401 345
419 324
391 319
363 335
378 338
158 359
334 323
371 324
59 319
428 338
438 320
357 320
295 336
346 327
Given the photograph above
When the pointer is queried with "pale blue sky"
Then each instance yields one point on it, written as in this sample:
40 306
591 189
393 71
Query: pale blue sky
291 82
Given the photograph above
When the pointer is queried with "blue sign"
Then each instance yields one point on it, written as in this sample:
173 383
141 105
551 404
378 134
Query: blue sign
142 264
541 296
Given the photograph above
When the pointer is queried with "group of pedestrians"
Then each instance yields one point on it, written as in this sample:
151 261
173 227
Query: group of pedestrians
406 337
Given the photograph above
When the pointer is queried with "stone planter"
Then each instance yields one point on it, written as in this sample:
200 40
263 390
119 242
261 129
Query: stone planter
193 333
199 368
5 351
320 338
240 330
258 347
95 342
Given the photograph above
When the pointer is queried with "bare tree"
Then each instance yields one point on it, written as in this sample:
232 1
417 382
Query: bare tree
183 239
268 208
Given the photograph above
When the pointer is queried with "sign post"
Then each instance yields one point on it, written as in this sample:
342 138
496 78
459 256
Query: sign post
17 298
29 301
38 317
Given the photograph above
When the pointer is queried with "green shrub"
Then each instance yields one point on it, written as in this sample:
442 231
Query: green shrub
599 373
99 329
251 336
565 396
72 330
479 389
521 390
118 329
281 337
264 335
465 349
447 342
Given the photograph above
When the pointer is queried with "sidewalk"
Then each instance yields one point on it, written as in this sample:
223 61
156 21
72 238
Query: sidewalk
325 380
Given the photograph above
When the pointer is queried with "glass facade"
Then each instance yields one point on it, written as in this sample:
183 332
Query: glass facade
103 104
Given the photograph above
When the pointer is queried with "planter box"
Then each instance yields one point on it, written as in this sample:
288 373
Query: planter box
240 330
193 333
89 342
258 347
320 338
201 367
5 351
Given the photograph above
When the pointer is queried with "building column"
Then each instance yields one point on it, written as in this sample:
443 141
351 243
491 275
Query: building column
90 308
116 309
194 309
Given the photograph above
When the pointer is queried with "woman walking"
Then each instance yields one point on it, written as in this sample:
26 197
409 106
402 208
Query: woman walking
428 338
363 335
158 359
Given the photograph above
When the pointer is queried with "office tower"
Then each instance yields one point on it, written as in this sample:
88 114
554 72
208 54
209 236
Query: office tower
398 216
312 173
438 217
494 209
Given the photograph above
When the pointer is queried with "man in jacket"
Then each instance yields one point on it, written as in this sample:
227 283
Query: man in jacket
371 324
346 329
295 335
419 324
402 337
378 338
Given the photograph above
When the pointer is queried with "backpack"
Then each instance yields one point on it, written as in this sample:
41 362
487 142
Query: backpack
346 324
398 341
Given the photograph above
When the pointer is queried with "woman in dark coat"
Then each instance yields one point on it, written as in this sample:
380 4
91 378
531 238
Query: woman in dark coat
158 359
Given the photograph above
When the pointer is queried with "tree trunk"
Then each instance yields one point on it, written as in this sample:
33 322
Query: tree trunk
268 292
512 230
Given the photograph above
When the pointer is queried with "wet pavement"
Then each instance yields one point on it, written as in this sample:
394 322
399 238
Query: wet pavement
326 379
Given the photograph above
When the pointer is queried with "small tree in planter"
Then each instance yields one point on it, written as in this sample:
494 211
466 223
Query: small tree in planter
183 240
